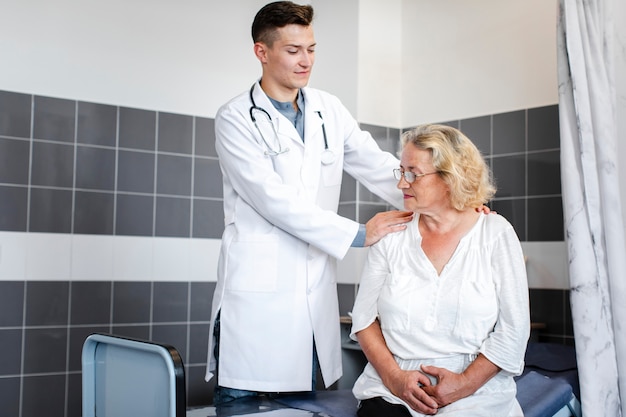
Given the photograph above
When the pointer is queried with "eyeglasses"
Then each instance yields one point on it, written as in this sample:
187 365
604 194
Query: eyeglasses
409 176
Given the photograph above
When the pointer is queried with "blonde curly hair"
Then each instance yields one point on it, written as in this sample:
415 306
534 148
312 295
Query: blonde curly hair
458 162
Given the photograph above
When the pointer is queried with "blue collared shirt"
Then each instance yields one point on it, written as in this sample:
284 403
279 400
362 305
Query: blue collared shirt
293 115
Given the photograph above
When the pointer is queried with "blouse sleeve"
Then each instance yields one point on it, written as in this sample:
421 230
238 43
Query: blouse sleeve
375 272
506 344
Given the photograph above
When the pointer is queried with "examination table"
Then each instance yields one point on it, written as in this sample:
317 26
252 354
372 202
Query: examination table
123 376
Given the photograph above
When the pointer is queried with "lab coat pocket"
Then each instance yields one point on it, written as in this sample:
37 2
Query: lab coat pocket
332 174
253 263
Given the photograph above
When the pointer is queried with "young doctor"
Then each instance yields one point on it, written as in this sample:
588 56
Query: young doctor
283 148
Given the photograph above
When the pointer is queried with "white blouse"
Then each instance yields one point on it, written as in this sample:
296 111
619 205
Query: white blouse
479 303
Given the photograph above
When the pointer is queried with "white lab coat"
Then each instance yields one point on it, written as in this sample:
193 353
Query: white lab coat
276 287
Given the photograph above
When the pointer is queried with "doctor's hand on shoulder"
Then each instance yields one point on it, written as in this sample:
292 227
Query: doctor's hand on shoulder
387 222
384 223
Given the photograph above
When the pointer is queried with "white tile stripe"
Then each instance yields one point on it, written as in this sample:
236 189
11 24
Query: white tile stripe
66 257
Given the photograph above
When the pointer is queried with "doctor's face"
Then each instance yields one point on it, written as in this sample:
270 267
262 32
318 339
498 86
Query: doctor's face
288 62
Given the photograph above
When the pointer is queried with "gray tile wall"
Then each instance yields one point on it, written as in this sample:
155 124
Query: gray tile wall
76 167
522 148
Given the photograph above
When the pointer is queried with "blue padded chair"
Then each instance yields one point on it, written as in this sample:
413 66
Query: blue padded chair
130 377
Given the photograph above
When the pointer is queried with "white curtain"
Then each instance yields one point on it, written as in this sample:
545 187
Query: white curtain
591 202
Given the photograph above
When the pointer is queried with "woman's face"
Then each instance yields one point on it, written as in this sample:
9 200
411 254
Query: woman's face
427 193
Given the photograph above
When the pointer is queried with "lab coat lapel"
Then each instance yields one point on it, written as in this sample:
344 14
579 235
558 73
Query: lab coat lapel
312 121
313 144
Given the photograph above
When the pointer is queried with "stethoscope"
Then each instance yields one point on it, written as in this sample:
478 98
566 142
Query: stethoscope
327 157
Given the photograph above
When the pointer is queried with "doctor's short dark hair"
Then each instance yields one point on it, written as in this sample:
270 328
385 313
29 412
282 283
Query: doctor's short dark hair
277 15
458 162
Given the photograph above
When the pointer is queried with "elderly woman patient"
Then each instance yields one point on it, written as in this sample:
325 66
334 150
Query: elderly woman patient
442 311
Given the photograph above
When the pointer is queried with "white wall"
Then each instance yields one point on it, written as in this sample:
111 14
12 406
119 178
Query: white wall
425 61
336 56
472 58
380 63
142 53
184 56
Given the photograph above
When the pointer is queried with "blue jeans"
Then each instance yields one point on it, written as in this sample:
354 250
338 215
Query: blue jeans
223 395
